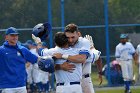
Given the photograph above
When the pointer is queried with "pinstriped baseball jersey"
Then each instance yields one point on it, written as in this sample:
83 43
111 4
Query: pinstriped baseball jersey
124 52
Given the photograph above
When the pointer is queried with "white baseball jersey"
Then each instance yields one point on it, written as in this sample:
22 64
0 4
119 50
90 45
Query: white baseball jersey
29 73
87 86
85 45
124 52
65 76
124 55
138 52
36 75
61 75
29 69
94 56
44 75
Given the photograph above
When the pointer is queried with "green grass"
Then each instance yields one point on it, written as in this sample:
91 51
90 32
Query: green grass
117 91
95 81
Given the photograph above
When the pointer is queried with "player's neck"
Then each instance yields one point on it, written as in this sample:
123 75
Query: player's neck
66 46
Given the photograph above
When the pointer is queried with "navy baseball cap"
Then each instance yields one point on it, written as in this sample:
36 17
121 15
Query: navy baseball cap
123 36
11 31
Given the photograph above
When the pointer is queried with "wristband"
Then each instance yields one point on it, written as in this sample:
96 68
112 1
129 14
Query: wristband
65 56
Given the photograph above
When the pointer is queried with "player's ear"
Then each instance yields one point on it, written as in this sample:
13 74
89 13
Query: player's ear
79 34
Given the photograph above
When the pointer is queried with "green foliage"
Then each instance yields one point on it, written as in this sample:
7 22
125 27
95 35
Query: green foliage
124 11
28 13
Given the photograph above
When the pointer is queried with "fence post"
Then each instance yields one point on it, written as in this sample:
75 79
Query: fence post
62 15
107 39
50 39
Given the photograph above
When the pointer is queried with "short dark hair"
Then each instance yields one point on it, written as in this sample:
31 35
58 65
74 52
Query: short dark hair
71 28
60 39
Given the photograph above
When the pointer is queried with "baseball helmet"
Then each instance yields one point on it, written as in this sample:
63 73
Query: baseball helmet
42 30
46 65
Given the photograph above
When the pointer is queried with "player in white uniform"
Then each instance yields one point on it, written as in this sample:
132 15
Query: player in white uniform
44 75
36 72
29 67
138 60
87 85
75 41
67 82
124 54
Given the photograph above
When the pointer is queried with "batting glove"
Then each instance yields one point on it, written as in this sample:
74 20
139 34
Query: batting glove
36 39
90 39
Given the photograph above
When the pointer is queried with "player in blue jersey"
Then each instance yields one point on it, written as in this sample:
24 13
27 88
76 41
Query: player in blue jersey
12 64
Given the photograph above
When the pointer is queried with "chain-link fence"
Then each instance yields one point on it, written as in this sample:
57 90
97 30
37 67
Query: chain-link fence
92 16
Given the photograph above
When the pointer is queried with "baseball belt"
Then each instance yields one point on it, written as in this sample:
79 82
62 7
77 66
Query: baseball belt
71 83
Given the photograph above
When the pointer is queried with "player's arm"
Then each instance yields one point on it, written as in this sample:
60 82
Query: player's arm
98 62
117 54
81 58
134 54
65 66
37 41
99 67
137 55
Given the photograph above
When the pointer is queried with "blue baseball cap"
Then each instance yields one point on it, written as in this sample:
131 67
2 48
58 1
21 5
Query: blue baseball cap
123 36
11 31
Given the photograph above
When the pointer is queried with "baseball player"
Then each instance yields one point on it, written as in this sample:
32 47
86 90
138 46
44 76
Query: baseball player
87 85
29 68
40 78
44 75
67 82
124 54
75 41
138 59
